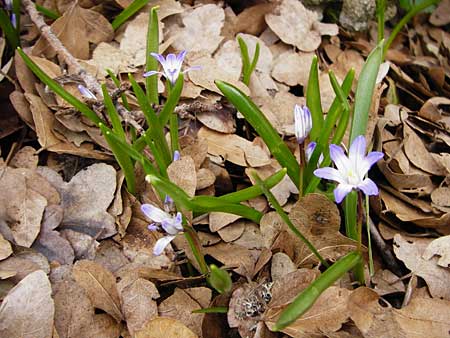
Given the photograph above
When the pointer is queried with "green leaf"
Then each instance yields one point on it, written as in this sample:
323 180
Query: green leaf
47 12
172 101
128 12
247 67
60 91
219 279
308 296
313 100
151 82
117 84
8 29
263 127
216 309
364 92
112 113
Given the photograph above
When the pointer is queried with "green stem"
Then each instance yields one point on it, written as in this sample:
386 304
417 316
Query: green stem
302 164
273 201
369 239
381 6
194 244
413 11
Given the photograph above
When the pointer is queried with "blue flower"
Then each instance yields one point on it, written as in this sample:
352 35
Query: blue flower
302 123
171 225
351 170
86 92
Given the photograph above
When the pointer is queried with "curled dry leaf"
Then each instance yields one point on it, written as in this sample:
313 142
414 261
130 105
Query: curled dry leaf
295 25
104 326
201 31
100 286
439 247
163 327
219 220
412 254
86 198
181 304
386 283
76 22
234 148
138 304
28 309
5 248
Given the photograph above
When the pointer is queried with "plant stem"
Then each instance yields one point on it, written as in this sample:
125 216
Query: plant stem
302 165
194 244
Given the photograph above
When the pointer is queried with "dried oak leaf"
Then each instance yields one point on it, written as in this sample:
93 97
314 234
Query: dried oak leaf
138 304
234 148
20 206
163 327
181 304
439 247
86 198
28 309
295 25
424 317
100 286
74 312
201 31
104 326
373 320
75 23
182 173
412 254
319 220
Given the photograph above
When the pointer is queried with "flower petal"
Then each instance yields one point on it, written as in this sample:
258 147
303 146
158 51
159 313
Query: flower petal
176 155
161 244
341 191
181 56
152 227
357 149
159 57
86 92
368 187
310 149
154 213
372 158
330 174
150 73
340 159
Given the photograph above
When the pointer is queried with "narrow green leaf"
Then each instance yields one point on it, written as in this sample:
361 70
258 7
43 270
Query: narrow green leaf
128 12
255 190
173 129
151 82
219 279
122 158
47 12
172 101
364 91
308 296
112 113
8 29
60 91
247 67
17 4
263 127
167 187
313 100
116 81
216 309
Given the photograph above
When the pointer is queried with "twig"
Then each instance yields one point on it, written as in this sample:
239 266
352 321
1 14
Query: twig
46 31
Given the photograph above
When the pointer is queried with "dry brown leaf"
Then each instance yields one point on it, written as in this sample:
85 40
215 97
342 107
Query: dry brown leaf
84 246
100 286
25 158
441 196
318 220
163 327
181 304
251 238
5 248
109 254
86 198
219 220
371 318
27 311
251 20
295 25
386 283
205 178
234 148
441 14
20 206
229 57
327 314
104 326
182 173
281 265
201 31
439 247
75 23
436 277
73 310
232 231
138 304
424 318
292 68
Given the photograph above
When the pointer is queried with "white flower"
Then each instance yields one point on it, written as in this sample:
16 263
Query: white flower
310 150
86 92
171 225
351 170
171 66
302 123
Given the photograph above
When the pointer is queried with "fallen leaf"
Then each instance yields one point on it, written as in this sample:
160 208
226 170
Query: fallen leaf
295 25
104 326
74 313
232 231
205 178
86 198
219 220
76 22
5 248
180 306
138 304
441 14
28 309
439 247
84 246
281 265
182 173
234 148
100 286
387 282
163 327
436 277
201 31
292 68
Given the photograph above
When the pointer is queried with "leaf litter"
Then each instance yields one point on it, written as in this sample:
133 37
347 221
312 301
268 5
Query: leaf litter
69 230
